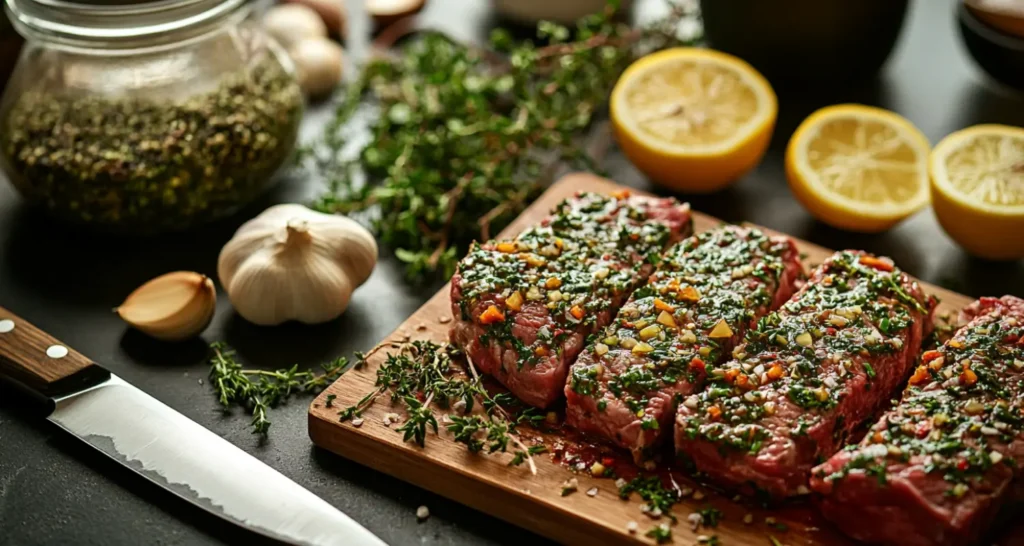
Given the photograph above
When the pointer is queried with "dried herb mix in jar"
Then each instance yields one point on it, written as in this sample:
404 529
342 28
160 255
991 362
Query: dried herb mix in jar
144 164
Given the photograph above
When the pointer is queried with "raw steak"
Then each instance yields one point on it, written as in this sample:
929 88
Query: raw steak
696 307
936 469
806 377
524 307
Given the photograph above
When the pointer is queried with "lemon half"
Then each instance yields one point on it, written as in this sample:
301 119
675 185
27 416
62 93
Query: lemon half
693 119
858 168
977 187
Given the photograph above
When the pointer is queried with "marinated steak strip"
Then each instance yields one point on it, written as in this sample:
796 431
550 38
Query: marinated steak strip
524 307
806 377
627 382
936 468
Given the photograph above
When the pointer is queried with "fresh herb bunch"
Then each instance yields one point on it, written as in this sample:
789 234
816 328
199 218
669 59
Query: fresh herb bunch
422 373
261 390
465 137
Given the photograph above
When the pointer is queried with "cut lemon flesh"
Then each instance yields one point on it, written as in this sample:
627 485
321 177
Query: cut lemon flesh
977 186
858 168
693 119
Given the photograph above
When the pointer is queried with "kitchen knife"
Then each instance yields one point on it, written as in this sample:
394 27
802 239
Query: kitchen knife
166 447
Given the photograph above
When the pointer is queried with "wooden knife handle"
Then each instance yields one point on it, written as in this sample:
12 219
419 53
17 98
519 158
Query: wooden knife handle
36 360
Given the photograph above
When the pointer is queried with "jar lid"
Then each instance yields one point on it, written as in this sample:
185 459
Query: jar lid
118 21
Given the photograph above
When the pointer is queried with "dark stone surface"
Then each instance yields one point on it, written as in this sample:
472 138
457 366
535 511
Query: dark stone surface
53 490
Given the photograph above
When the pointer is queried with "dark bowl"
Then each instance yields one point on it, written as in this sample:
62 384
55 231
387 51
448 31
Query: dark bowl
1000 55
809 42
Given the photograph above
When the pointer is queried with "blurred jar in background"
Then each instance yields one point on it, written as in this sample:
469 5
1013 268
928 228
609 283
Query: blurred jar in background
144 116
10 46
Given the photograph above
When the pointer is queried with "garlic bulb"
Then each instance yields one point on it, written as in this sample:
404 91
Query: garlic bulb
171 307
292 263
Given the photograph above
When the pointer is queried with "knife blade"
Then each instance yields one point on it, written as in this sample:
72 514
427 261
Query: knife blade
164 446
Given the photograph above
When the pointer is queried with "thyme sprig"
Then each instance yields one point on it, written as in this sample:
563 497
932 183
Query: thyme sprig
422 373
462 138
260 390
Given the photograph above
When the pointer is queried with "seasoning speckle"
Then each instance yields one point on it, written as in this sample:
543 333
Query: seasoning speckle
570 486
422 513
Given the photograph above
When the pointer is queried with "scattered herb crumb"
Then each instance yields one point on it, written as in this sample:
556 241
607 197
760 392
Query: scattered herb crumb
710 516
329 402
570 486
659 499
661 533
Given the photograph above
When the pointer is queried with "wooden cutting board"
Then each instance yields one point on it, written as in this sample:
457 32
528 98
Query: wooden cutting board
487 483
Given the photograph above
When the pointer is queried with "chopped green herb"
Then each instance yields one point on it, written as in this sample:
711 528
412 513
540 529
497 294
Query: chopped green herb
661 533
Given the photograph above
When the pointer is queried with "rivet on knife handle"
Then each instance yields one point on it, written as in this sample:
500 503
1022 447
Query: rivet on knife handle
39 362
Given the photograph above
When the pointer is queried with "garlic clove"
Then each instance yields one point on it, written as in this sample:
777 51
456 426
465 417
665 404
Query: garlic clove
386 12
333 13
290 23
171 307
318 64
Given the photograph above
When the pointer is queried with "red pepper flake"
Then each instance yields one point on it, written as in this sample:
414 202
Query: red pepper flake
743 382
577 312
663 306
920 376
968 377
730 375
928 356
962 465
714 412
922 430
830 331
881 264
608 461
698 364
492 315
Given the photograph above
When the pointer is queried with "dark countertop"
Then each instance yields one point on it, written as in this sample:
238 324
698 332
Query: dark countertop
55 491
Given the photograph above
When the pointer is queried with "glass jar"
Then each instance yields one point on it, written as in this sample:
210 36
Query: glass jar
145 116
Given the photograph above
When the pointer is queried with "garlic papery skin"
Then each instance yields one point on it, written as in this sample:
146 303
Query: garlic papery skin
171 307
293 263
